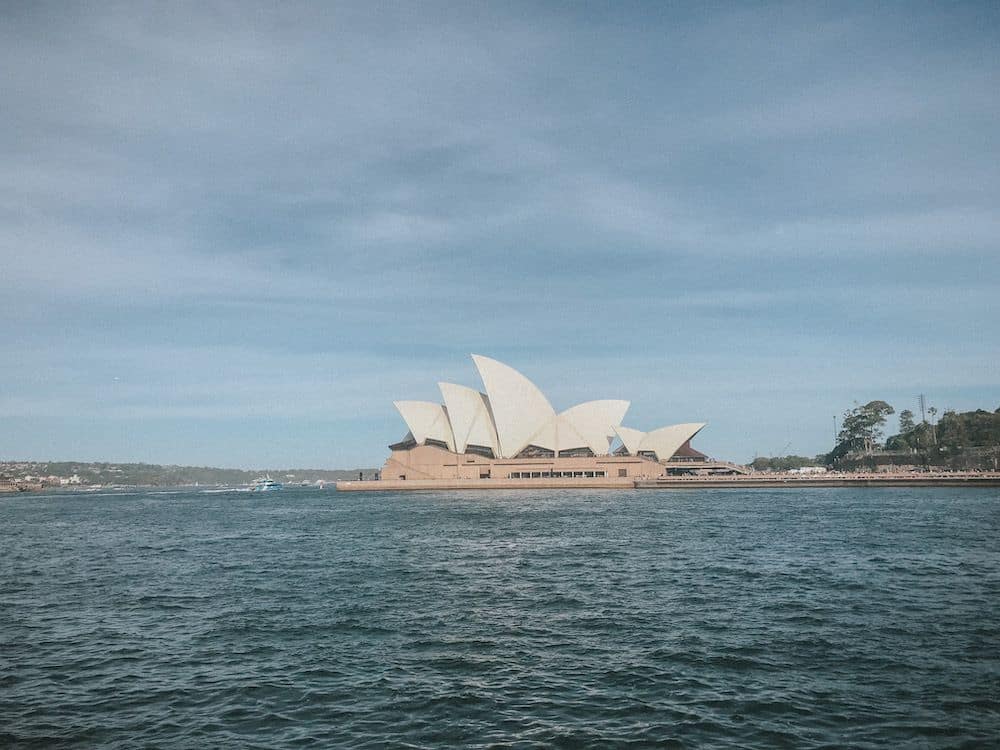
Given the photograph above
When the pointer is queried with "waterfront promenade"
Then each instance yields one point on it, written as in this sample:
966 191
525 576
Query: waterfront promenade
832 479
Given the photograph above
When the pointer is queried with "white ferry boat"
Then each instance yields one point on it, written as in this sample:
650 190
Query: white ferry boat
265 484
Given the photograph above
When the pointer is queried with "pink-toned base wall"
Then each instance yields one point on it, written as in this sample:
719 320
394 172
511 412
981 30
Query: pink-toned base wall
431 462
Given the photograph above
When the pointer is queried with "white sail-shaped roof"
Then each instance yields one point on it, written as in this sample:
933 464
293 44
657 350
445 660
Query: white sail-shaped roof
630 438
546 436
471 421
595 421
558 434
519 408
514 413
427 420
665 441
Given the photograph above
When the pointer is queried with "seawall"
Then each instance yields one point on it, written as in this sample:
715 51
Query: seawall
943 479
949 479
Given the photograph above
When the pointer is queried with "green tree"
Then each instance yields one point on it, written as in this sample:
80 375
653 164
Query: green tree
906 423
962 440
862 426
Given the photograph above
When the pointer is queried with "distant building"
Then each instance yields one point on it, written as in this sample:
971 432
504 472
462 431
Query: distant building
511 431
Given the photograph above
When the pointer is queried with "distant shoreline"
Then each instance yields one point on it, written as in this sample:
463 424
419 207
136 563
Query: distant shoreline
759 480
24 489
38 475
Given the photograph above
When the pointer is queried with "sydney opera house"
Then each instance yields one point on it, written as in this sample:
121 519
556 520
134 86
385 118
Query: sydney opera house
511 432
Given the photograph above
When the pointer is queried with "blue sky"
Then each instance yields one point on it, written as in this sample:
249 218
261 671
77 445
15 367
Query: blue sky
232 234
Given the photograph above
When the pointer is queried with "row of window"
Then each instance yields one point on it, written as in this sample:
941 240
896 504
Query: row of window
556 474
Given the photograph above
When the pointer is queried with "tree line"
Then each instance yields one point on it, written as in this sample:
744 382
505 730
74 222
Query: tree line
961 439
935 441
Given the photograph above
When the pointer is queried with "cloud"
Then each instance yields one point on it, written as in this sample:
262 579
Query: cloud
306 209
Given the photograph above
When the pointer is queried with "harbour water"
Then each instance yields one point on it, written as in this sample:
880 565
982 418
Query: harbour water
753 618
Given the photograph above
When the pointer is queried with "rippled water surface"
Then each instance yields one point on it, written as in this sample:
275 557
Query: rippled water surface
755 618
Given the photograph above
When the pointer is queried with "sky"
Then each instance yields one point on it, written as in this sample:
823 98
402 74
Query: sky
232 234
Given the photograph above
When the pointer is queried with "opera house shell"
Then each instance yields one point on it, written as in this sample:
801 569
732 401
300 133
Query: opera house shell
511 431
